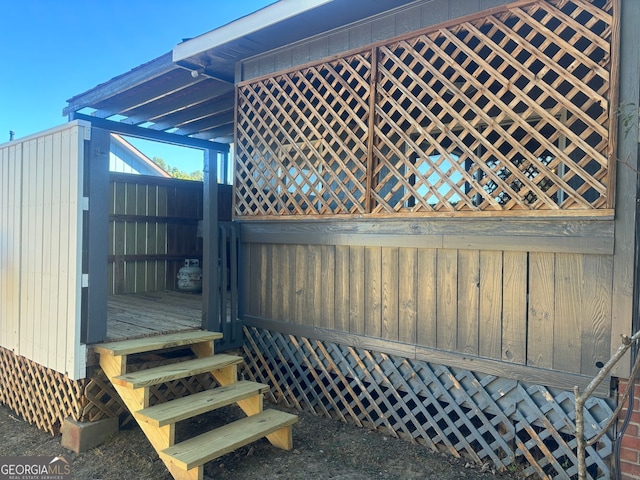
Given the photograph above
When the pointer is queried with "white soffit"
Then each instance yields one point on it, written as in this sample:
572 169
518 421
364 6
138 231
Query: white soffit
244 26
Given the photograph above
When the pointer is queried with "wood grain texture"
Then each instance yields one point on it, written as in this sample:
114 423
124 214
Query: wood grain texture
373 291
468 301
314 271
490 331
560 234
596 326
542 307
514 307
567 333
390 293
277 280
447 300
301 285
427 288
342 288
407 294
327 286
356 290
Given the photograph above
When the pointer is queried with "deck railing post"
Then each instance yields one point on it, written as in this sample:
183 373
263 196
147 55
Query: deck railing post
210 286
94 321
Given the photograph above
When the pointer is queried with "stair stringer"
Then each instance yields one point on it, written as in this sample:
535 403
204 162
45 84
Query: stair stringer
283 438
135 400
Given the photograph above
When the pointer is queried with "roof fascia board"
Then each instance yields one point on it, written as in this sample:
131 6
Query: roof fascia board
244 26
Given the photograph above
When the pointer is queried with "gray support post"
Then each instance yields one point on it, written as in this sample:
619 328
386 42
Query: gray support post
624 266
210 287
94 323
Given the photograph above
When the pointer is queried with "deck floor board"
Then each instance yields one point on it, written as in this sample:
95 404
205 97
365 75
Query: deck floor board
153 313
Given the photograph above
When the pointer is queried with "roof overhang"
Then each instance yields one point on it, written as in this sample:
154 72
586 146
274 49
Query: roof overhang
190 91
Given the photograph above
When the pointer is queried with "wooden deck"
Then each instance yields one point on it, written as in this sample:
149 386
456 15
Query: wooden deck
152 313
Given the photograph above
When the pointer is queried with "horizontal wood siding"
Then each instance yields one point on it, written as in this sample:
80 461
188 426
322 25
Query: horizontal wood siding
41 211
548 310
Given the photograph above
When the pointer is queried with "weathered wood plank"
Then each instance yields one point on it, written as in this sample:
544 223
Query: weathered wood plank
356 290
514 307
542 309
390 293
131 196
342 288
407 294
291 294
327 285
490 326
447 299
278 281
301 286
567 333
265 280
255 261
560 235
596 316
468 301
373 291
427 297
314 297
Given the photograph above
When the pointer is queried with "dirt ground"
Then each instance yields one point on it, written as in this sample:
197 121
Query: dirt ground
323 449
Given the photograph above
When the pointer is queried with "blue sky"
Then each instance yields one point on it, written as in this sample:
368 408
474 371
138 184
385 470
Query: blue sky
55 49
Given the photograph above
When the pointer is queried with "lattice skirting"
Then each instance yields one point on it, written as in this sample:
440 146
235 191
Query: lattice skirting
487 418
43 397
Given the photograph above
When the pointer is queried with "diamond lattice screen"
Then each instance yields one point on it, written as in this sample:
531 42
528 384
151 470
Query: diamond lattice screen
503 113
303 140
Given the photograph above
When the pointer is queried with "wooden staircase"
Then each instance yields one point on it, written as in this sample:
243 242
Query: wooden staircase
185 460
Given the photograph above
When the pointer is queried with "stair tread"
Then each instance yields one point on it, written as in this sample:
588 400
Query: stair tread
215 443
174 371
156 342
198 403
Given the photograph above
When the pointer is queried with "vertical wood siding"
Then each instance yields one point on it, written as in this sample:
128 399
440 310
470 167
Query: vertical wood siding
41 208
549 310
153 228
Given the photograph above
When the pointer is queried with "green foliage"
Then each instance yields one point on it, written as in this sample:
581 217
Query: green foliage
175 172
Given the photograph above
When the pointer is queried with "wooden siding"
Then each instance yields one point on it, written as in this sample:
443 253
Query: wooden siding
547 310
399 21
153 228
41 225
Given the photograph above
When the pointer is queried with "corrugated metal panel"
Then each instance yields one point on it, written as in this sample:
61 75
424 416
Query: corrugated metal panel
41 251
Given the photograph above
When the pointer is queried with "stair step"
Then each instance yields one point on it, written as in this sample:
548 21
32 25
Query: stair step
196 404
157 342
174 371
211 445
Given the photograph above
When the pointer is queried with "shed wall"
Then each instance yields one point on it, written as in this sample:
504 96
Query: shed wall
41 228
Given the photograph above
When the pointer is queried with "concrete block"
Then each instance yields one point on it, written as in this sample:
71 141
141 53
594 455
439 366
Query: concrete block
80 437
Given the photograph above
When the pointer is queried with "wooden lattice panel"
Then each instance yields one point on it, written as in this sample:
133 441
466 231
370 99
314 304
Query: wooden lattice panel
508 112
484 417
43 397
304 140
